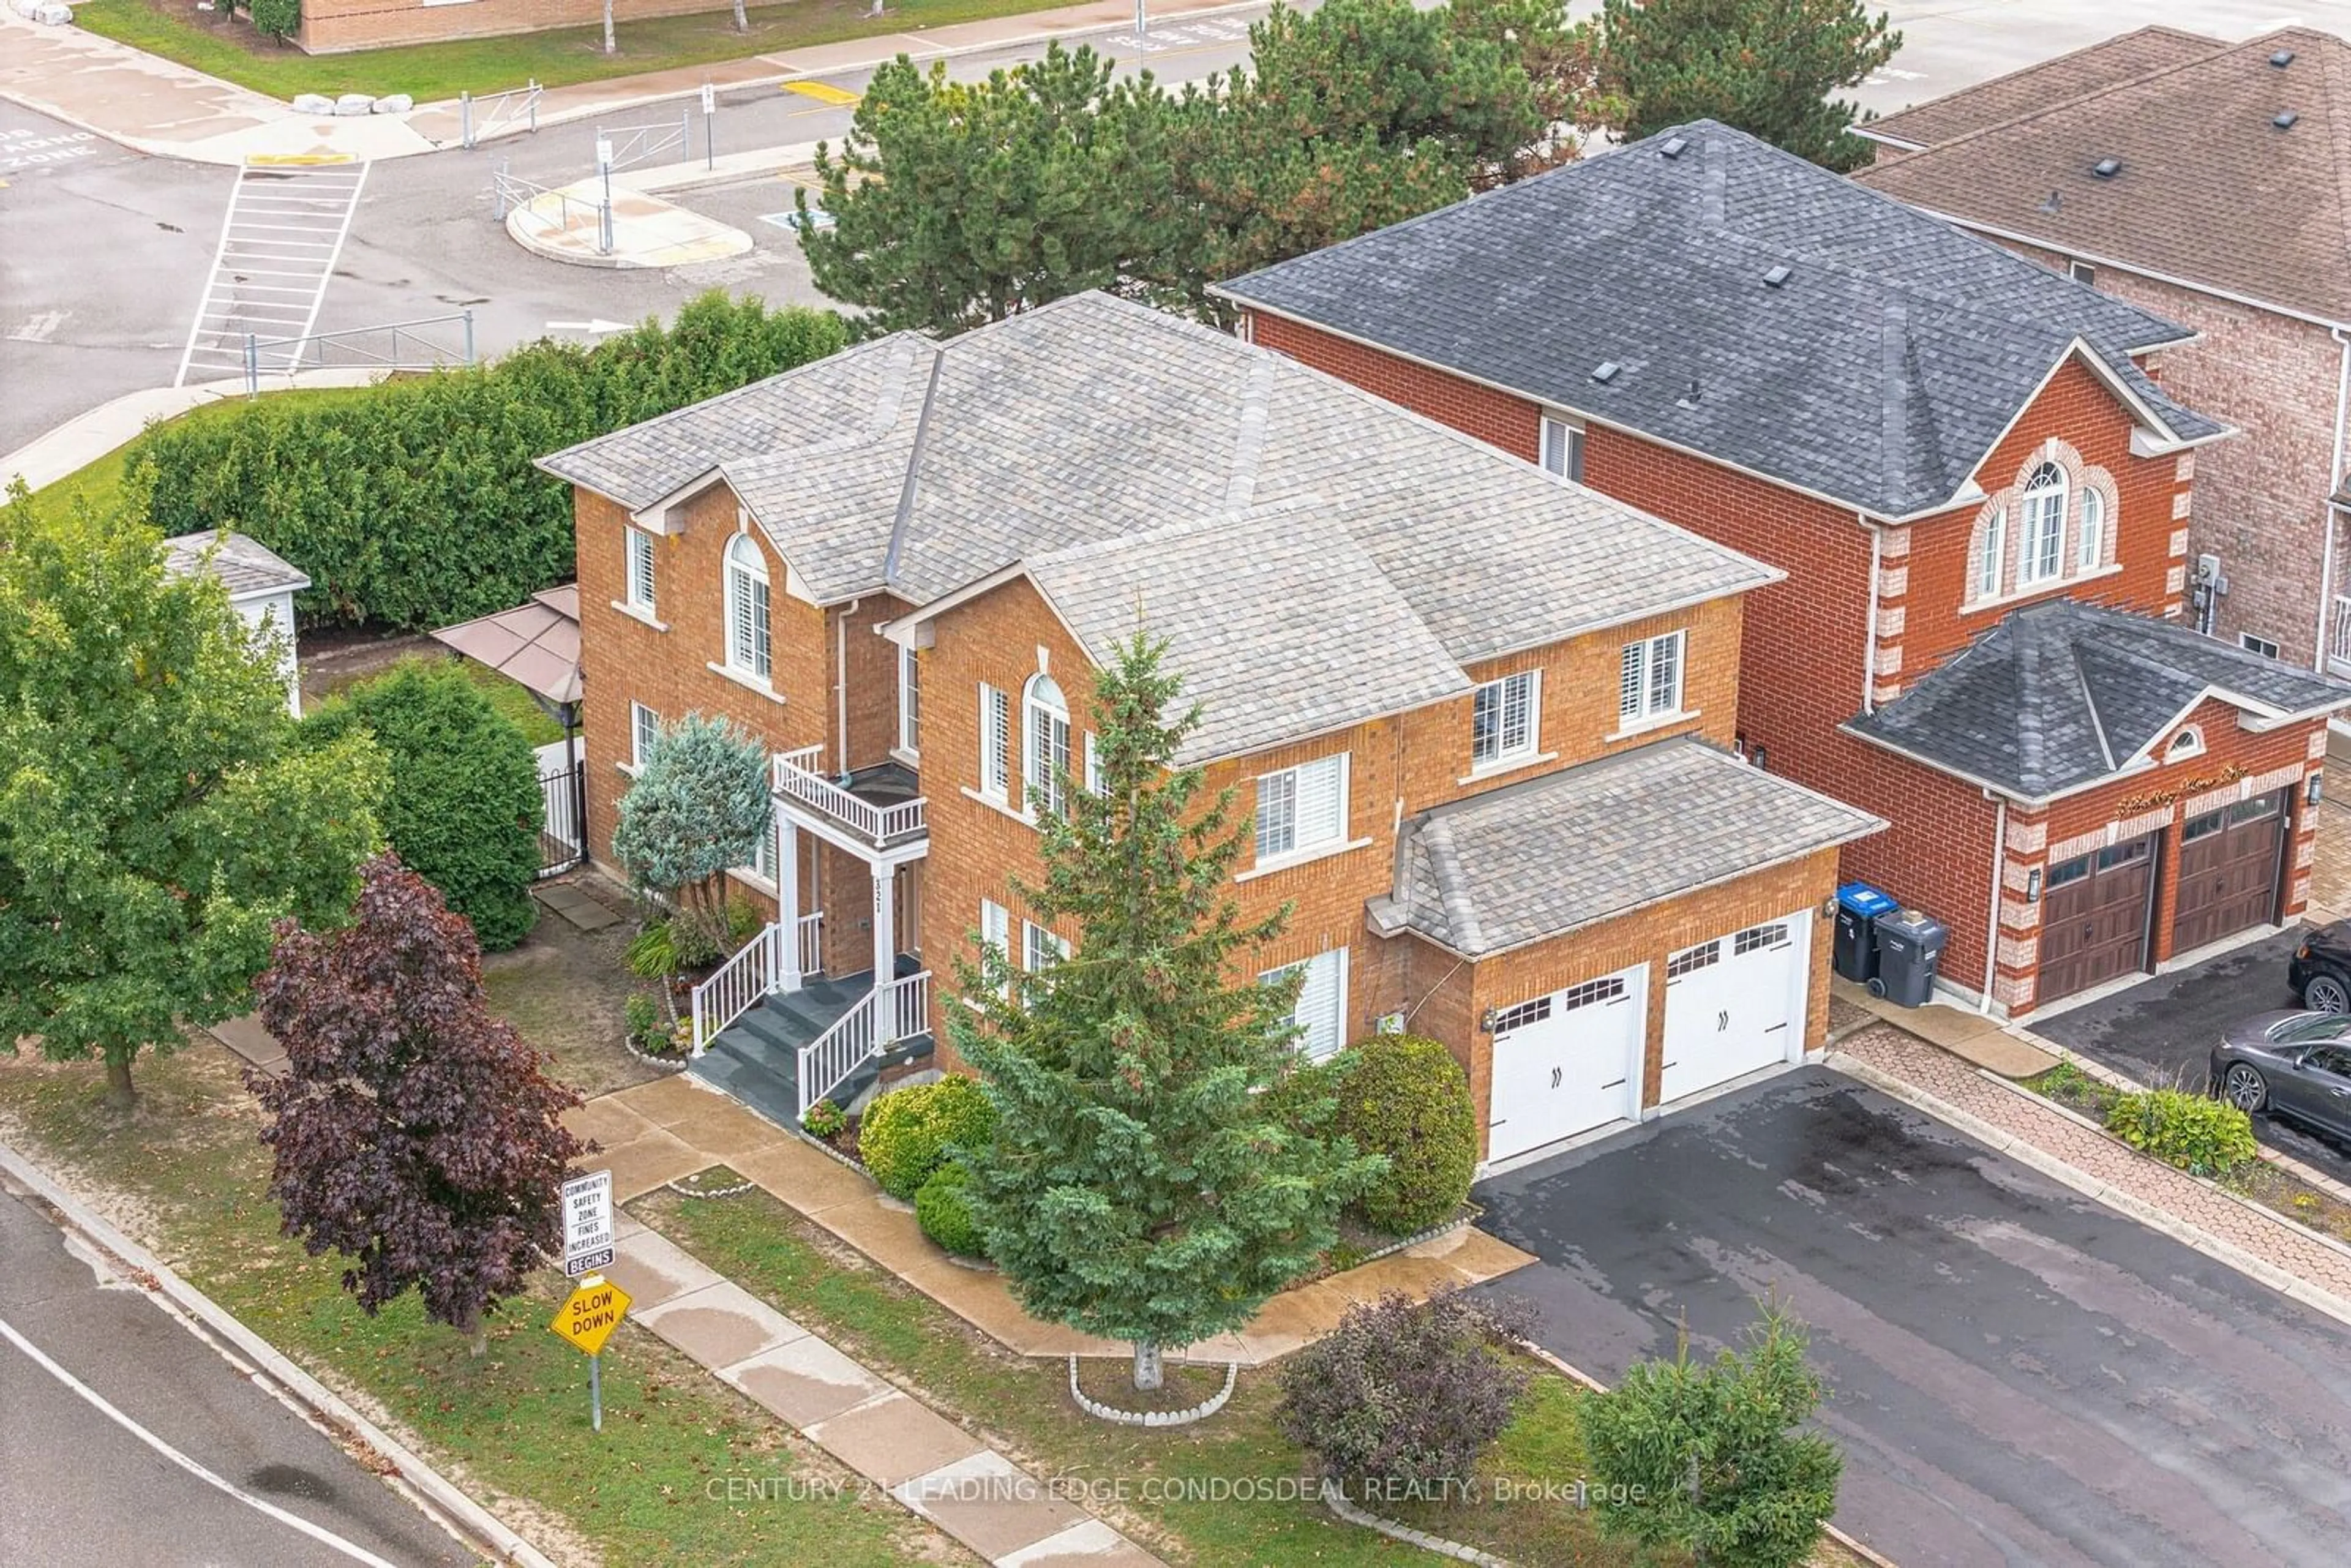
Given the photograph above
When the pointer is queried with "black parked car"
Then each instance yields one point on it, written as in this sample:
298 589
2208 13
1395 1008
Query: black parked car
2320 969
2290 1064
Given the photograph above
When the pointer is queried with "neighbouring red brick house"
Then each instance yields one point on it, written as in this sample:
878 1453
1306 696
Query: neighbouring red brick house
1482 717
1943 447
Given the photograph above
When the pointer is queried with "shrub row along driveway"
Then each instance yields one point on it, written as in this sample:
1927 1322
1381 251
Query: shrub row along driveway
2017 1374
2162 1030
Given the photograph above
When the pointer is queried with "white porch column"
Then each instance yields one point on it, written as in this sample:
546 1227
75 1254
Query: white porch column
788 903
886 923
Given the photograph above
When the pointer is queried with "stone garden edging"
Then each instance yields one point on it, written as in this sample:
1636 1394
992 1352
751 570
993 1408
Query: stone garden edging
1336 1501
1199 1412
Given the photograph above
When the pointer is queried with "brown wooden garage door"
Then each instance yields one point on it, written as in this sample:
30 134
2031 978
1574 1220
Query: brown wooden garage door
2229 863
2093 917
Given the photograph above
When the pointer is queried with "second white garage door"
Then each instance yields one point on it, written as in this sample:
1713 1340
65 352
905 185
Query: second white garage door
1734 1005
1567 1062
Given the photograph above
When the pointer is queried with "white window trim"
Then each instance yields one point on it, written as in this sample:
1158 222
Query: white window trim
1645 716
1992 572
1035 714
1980 606
1515 765
1001 807
753 570
747 680
2186 742
1315 850
1653 721
996 791
2040 530
1297 858
2087 559
1092 765
1339 1041
636 757
1033 936
1572 460
909 738
1503 760
635 613
994 913
647 603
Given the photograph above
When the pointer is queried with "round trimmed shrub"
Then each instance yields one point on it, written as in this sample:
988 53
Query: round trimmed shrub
2203 1137
945 1214
907 1133
464 808
1405 1097
279 19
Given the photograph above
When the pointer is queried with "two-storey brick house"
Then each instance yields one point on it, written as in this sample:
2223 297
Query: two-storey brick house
2211 183
1942 446
1478 716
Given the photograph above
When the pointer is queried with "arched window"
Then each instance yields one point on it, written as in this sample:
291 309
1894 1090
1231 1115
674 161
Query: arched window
1995 550
749 648
2041 550
2092 545
2189 742
1045 719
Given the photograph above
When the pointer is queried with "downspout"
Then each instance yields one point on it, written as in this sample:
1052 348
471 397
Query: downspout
1991 925
2326 508
1869 656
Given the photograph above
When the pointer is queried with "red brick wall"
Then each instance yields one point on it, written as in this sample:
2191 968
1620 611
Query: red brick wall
1497 418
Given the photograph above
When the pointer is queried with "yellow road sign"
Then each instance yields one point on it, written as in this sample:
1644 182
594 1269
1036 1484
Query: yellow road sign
822 91
588 1317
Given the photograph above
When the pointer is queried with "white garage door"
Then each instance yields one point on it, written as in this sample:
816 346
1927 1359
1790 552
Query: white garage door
1735 1004
1567 1062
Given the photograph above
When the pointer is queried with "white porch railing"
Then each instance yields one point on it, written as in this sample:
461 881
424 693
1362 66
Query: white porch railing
798 780
735 986
890 1012
2338 636
811 942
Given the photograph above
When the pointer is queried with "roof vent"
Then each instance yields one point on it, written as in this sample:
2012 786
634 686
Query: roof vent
2107 168
1689 398
1605 371
2056 200
2282 59
1673 146
2285 120
1776 276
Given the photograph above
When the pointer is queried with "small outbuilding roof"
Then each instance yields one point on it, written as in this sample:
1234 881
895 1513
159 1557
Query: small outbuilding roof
1540 858
534 644
248 568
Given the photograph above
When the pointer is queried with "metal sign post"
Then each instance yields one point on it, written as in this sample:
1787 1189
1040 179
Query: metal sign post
604 167
1142 25
709 115
587 1319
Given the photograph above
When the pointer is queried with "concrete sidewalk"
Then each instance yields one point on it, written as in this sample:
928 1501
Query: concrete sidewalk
171 111
90 436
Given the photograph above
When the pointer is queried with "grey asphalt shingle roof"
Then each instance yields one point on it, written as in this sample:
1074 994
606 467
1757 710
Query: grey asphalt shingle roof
2061 694
1880 372
247 567
1092 422
1537 860
2103 64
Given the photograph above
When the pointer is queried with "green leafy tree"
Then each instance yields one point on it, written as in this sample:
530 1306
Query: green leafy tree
1137 1185
279 19
463 808
1712 1458
697 806
156 815
1766 67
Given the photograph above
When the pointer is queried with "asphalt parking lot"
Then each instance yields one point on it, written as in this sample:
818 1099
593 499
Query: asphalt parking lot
2017 1374
2161 1031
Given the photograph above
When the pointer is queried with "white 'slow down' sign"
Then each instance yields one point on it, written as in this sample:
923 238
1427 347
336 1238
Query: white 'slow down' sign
587 1223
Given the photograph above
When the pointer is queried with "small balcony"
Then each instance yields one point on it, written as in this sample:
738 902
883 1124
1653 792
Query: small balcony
873 809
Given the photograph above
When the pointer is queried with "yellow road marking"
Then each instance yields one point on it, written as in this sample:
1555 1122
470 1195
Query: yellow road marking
822 91
279 158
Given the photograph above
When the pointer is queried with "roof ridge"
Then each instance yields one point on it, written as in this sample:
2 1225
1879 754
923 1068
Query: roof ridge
2216 46
902 521
2335 65
1894 356
1445 865
1248 439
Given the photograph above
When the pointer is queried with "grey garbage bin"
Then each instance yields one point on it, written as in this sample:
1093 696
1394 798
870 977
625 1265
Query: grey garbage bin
1859 905
1909 949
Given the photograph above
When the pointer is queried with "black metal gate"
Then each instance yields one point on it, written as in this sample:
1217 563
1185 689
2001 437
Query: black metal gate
563 821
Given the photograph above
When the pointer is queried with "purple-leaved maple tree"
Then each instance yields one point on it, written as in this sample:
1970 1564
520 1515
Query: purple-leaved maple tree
415 1132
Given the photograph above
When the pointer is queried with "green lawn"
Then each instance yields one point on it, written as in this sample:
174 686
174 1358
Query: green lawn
431 72
187 1177
1023 1406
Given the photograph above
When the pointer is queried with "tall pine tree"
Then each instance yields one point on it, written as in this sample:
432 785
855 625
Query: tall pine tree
1765 67
1138 1186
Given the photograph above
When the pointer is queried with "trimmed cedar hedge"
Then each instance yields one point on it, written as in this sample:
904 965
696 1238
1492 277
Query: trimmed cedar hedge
419 507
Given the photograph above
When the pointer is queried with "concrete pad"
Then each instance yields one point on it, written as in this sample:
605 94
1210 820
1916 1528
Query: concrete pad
894 1438
1418 1278
989 1504
645 1163
731 1131
890 1237
983 1301
720 1324
576 907
666 1101
653 1269
606 1120
567 225
1476 1255
804 1179
806 1381
1092 1544
1292 1319
256 1044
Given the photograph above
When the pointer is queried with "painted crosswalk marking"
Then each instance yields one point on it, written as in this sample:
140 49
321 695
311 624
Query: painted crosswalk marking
279 240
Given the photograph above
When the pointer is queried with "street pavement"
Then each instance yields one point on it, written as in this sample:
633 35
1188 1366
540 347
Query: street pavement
2016 1374
84 1488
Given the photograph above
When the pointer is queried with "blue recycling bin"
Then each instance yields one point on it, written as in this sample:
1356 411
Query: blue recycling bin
1858 907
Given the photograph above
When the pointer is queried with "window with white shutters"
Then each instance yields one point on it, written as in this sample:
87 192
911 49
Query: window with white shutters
1045 719
1302 808
748 646
994 742
910 702
1649 678
1320 1012
1502 720
641 569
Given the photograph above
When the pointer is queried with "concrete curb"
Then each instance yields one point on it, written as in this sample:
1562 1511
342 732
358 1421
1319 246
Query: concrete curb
485 1528
2127 1203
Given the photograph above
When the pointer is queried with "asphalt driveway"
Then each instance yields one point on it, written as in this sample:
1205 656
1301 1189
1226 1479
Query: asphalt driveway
2016 1374
2161 1031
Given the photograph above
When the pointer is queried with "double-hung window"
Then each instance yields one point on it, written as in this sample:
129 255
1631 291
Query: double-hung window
1321 1012
1094 766
1649 678
748 649
644 733
910 702
994 743
2041 554
1502 720
641 569
1045 722
1301 809
2091 548
1563 449
1040 949
996 931
1995 553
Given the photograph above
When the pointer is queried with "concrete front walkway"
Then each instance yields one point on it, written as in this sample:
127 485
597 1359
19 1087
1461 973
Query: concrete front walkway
921 1458
671 1127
